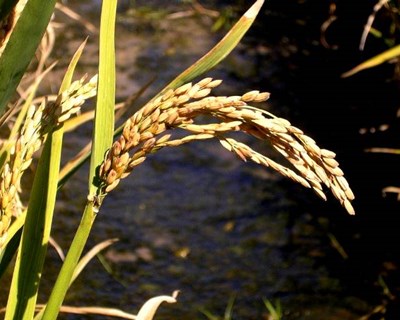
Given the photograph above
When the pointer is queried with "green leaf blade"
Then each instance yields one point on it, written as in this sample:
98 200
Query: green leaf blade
221 49
102 140
36 232
22 46
104 115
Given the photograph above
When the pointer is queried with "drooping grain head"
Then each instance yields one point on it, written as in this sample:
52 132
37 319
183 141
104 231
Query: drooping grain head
145 131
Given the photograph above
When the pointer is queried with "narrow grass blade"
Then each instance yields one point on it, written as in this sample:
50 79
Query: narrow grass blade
37 227
275 310
64 278
73 165
209 315
54 244
22 45
73 123
374 61
82 264
47 175
229 308
19 222
90 255
104 117
102 140
36 232
5 148
221 49
336 245
383 150
32 93
71 67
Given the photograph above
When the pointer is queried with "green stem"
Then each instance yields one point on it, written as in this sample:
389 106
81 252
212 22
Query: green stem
64 278
102 140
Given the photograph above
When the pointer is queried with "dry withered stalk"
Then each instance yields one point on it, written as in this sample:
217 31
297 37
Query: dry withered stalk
145 132
39 121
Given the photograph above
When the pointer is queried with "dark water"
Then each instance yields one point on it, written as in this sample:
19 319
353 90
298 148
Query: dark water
195 218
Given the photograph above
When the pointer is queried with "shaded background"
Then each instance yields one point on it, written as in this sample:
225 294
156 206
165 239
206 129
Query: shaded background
345 115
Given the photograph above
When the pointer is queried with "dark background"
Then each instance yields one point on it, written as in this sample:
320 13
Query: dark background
344 114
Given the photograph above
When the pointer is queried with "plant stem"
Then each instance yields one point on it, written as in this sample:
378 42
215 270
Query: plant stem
64 278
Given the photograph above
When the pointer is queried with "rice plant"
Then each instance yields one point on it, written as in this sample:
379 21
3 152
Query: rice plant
37 127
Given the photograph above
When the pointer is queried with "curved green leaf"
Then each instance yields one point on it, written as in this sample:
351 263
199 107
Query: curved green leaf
22 46
221 49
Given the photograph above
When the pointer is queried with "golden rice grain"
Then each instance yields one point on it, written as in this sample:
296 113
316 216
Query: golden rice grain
328 154
179 108
39 120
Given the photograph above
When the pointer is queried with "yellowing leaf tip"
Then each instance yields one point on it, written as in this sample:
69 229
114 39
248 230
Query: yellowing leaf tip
254 9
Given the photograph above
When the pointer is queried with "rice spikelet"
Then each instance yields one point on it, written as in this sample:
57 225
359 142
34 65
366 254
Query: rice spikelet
39 121
144 133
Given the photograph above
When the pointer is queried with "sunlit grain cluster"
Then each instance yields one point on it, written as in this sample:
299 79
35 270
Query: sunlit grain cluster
148 131
39 121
